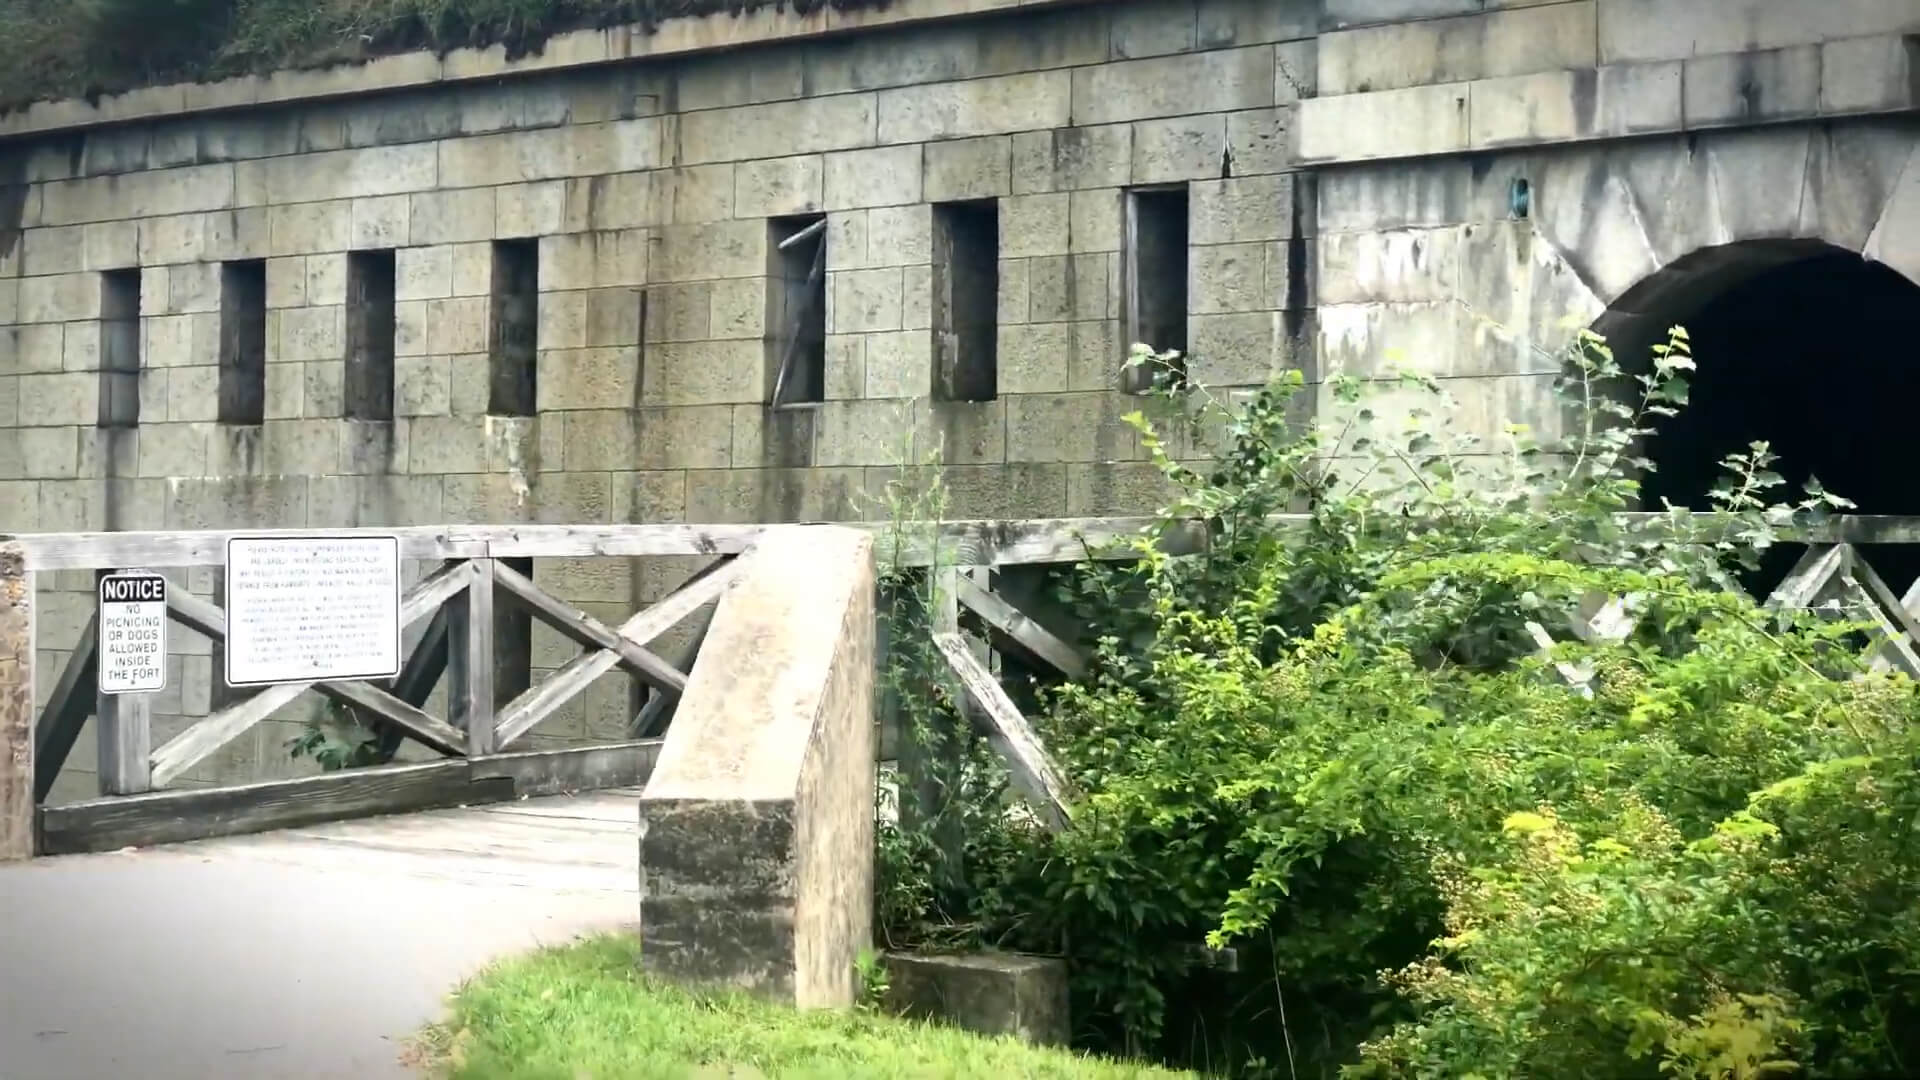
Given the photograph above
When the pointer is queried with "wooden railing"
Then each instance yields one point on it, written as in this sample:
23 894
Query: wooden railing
456 600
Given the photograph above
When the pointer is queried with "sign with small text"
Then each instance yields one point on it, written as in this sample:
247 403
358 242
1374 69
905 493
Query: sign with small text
133 633
312 608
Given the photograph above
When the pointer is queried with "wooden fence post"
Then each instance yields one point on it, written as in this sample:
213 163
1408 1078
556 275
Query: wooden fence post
125 736
470 676
16 704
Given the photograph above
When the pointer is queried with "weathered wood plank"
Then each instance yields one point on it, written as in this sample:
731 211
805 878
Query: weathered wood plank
470 660
174 816
587 768
1579 680
1030 635
423 726
417 678
1012 737
190 747
72 701
526 711
16 704
1803 583
588 631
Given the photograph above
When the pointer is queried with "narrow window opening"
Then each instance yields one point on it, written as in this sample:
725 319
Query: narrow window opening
797 309
368 387
515 334
966 299
1156 281
512 643
120 349
243 342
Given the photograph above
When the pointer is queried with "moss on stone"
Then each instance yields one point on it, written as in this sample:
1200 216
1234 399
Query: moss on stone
90 48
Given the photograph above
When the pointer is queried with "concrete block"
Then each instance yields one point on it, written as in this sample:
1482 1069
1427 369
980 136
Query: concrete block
287 282
864 300
421 386
699 373
374 500
1239 349
56 400
883 176
899 235
846 366
1489 44
1895 239
1084 427
350 174
1747 87
306 228
590 260
449 444
781 902
898 365
811 126
80 347
612 317
968 169
916 297
459 325
53 251
776 187
419 273
548 498
1077 157
1219 81
1870 74
738 308
721 249
1389 266
47 453
1415 122
1677 29
679 437
1225 23
994 106
1033 358
59 298
1639 98
1013 293
1181 148
1132 488
986 491
715 82
1241 209
34 348
1060 288
137 195
680 312
562 320
1152 29
875 432
1035 225
650 496
847 240
700 194
536 209
311 390
1227 277
326 279
410 328
1852 171
618 201
191 288
451 217
467 377
766 438
312 333
472 269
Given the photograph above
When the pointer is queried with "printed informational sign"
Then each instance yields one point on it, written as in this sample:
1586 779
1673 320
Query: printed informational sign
133 633
307 609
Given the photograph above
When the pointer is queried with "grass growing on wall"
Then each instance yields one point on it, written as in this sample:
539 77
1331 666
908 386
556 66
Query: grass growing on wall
86 48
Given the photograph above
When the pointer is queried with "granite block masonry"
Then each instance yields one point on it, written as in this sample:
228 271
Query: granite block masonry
756 828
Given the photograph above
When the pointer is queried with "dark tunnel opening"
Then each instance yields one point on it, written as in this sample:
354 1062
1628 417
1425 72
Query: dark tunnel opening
1818 358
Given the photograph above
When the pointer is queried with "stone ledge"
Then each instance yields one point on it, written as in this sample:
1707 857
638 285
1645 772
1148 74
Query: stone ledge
1851 77
579 49
989 993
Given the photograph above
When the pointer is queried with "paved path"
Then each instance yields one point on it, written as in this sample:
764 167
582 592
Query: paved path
307 953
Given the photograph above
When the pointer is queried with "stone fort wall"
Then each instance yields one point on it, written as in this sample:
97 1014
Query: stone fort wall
1341 173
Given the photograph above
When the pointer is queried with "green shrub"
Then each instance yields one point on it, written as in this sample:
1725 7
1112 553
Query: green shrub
1336 748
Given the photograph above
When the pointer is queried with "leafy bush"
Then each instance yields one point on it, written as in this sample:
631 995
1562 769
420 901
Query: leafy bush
1336 746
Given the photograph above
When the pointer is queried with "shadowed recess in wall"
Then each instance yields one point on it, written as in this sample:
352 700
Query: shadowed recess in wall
70 48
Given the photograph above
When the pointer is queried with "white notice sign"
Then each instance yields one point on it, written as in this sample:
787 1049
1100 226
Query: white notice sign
133 633
304 609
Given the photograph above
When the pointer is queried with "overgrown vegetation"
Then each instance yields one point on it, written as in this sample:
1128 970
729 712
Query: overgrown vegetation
74 48
585 1010
1336 748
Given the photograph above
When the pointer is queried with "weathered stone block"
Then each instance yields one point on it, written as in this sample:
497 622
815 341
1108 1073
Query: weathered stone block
1077 157
53 251
54 400
969 169
1035 225
451 217
1218 81
421 386
1083 427
718 249
681 437
536 209
588 378
776 187
994 106
350 174
1870 74
1490 44
1241 209
757 824
749 132
1390 123
1227 277
738 308
865 300
899 235
305 228
619 201
1236 350
1677 29
1638 98
326 282
1152 29
1747 87
883 176
419 273
696 373
988 993
1393 266
1181 148
59 298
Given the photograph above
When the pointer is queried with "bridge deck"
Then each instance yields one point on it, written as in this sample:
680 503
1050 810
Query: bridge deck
304 953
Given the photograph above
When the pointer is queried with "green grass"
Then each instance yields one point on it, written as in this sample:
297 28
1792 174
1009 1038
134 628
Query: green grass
585 1012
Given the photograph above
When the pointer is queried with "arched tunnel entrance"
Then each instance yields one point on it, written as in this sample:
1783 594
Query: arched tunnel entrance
1806 346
